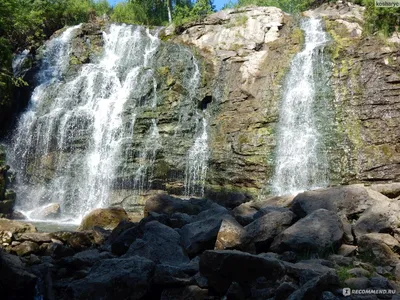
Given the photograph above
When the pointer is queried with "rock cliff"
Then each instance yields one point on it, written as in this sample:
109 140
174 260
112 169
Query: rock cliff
366 98
240 58
250 50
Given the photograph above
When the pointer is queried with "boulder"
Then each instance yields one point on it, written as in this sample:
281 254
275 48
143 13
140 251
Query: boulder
341 260
275 201
357 283
16 226
166 275
347 250
165 204
247 212
178 220
77 240
383 216
304 271
390 190
25 248
37 237
244 213
285 290
51 211
314 288
367 210
263 230
328 296
6 206
127 232
116 278
121 242
202 234
160 244
319 232
381 248
343 200
359 272
228 199
235 292
106 218
191 292
15 281
83 259
231 235
221 268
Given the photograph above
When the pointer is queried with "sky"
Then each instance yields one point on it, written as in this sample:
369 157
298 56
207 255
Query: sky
218 3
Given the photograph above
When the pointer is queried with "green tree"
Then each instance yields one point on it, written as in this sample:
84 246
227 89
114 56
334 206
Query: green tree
187 12
130 13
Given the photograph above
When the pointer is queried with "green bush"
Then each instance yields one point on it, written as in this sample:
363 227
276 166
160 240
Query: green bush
380 19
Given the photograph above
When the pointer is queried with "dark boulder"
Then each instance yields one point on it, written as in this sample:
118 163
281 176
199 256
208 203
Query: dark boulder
264 229
15 281
319 232
117 278
165 204
160 244
202 234
221 268
314 288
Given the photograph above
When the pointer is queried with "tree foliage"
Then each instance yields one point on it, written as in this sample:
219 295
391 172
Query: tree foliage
381 19
25 24
289 6
188 12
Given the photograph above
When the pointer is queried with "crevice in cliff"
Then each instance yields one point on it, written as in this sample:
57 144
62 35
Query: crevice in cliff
205 102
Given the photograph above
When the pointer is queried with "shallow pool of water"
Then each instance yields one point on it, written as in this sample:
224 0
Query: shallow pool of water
52 226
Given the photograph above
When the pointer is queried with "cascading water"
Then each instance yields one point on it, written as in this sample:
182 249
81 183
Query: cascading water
147 157
196 167
69 142
197 157
301 162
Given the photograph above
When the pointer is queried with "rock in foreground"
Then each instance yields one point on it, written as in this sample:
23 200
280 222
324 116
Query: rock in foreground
319 232
106 218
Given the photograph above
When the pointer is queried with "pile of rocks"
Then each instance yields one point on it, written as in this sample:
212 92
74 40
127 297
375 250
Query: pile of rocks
309 247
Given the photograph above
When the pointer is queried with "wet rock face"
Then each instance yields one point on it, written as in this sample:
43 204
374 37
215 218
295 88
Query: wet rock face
250 50
7 196
366 100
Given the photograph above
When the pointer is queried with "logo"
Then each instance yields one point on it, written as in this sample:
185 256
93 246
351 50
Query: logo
387 3
346 292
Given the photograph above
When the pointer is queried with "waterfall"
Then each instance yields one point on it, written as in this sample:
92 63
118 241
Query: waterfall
197 156
196 167
70 141
301 162
147 157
